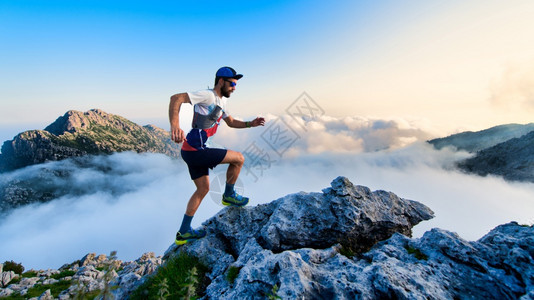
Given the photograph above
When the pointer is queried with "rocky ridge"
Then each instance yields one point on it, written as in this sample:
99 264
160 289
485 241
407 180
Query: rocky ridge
80 133
299 243
344 243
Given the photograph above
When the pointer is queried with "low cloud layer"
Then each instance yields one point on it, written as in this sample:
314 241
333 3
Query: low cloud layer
134 203
324 134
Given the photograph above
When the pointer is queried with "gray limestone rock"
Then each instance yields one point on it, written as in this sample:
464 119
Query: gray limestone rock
6 277
46 295
351 243
281 243
6 292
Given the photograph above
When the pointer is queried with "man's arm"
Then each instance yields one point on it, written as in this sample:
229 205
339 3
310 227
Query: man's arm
177 134
233 123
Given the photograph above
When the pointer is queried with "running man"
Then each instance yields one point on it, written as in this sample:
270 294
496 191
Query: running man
209 109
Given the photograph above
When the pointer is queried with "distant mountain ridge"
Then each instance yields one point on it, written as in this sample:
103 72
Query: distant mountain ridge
475 141
81 133
505 150
513 160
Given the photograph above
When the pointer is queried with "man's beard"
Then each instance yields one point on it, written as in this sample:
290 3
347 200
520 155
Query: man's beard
226 93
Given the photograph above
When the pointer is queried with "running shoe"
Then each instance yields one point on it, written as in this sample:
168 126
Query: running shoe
189 236
234 200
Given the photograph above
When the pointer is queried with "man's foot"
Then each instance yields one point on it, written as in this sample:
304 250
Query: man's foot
234 200
189 236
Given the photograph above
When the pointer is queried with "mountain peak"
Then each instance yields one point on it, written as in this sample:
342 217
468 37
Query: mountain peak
80 133
73 121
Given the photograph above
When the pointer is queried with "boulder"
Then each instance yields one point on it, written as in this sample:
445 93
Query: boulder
350 243
6 292
46 295
6 277
283 241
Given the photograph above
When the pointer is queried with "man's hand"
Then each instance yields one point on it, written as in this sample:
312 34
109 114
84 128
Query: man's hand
258 122
177 135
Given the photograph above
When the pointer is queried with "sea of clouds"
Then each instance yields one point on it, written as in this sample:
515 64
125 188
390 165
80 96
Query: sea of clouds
134 203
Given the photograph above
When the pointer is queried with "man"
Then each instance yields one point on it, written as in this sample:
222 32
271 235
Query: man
209 109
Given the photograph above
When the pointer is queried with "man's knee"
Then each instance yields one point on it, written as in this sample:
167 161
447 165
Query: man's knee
203 185
203 190
240 160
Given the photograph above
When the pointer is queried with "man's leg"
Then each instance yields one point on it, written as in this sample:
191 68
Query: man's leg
236 161
185 233
203 187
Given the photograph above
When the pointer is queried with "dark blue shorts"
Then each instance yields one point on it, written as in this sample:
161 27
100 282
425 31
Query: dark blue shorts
199 162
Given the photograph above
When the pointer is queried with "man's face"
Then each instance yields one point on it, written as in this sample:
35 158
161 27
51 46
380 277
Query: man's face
228 87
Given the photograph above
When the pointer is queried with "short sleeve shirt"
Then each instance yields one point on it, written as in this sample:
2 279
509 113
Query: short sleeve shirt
205 101
213 108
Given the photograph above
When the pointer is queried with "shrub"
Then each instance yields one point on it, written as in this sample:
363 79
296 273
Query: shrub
63 274
232 274
55 289
189 287
29 274
355 245
416 252
13 266
273 295
14 296
346 251
178 275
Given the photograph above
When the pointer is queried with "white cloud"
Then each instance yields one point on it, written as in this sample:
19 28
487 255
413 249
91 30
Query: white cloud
331 134
134 203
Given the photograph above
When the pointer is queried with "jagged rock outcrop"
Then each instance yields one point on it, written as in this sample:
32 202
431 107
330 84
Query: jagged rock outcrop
316 246
76 134
6 277
268 241
513 160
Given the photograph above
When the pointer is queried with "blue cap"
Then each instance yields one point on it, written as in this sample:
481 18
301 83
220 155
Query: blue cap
227 72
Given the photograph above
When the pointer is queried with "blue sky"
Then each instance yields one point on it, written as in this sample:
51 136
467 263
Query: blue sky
453 65
433 67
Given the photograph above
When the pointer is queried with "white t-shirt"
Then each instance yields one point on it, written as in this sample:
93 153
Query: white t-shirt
205 101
